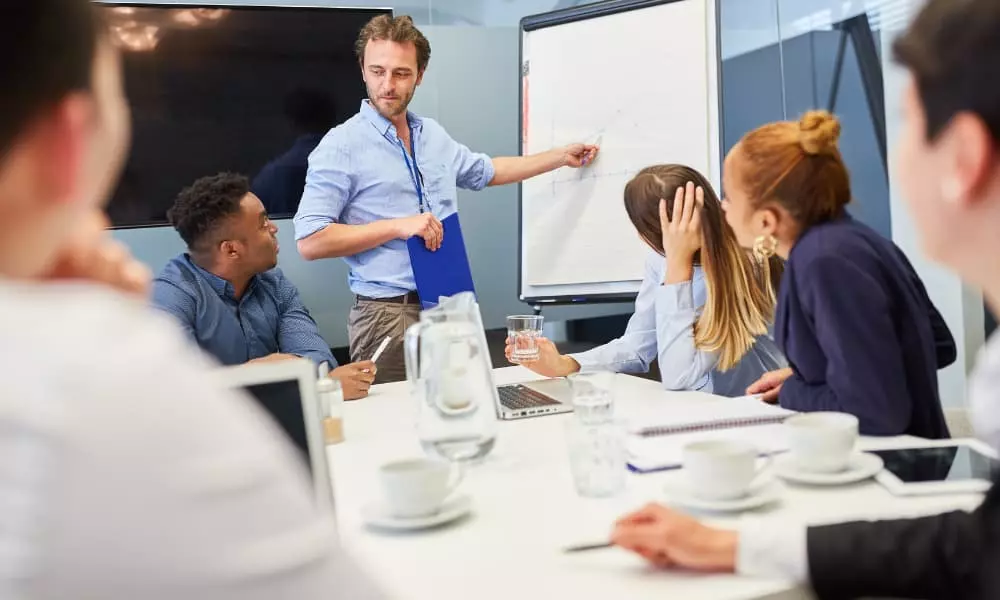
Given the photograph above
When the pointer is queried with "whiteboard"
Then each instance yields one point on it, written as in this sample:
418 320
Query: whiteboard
639 77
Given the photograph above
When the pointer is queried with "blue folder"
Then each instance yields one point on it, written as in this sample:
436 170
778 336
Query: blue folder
444 272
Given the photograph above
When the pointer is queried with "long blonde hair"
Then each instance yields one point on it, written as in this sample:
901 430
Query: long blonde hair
741 290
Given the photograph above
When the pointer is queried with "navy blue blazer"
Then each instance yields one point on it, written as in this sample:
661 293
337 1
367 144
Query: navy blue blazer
860 333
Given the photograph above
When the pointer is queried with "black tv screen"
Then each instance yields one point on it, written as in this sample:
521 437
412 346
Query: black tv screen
243 89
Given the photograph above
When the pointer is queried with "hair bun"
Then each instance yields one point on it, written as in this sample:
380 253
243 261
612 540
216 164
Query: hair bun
819 132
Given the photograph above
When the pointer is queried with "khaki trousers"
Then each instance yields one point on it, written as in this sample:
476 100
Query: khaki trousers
369 323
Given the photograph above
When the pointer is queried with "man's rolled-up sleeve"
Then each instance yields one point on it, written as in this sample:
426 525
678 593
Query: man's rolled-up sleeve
474 169
327 188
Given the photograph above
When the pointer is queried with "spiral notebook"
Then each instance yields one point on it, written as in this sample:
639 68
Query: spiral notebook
709 415
659 434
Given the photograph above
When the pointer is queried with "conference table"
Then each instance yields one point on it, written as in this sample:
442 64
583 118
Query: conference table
526 510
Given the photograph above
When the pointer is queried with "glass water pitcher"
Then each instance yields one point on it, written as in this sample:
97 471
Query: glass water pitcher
451 377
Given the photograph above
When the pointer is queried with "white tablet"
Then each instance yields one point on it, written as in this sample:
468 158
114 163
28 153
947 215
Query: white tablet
958 466
286 390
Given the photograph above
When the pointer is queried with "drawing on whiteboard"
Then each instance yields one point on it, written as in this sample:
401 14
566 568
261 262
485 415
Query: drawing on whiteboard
581 175
614 147
599 133
588 199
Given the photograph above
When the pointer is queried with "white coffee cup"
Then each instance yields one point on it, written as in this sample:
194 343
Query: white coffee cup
417 487
822 442
721 469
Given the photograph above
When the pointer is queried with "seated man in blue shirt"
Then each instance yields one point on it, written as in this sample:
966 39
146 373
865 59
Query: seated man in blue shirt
227 292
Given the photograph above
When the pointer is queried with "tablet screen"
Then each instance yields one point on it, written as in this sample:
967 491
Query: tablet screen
946 463
283 401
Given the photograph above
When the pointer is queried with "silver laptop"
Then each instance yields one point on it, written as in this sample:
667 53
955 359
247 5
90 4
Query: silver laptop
534 399
286 390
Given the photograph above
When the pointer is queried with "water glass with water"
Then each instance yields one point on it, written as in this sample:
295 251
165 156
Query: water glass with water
524 331
597 457
593 396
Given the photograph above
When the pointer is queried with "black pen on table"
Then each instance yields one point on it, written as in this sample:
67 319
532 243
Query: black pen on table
587 547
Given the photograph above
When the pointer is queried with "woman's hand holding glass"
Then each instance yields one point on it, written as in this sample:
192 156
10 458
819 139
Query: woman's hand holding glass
550 363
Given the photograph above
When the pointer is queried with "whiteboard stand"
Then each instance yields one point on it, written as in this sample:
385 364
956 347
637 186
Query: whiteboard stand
576 244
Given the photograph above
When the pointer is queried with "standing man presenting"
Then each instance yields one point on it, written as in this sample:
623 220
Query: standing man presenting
386 175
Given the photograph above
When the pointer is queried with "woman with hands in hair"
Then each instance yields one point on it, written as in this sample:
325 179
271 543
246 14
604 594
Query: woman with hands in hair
705 304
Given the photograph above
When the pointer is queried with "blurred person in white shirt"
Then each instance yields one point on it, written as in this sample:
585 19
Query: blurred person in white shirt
125 471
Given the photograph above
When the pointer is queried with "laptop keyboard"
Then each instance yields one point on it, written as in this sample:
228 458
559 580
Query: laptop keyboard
517 397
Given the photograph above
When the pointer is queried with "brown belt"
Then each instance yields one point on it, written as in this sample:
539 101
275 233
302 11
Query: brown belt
410 298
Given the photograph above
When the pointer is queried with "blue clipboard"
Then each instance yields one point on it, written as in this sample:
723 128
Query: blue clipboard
444 272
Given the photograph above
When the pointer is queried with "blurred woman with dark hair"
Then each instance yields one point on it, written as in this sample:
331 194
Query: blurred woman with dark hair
705 304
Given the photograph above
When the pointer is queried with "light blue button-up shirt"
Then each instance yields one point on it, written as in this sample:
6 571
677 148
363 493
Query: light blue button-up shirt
358 175
662 328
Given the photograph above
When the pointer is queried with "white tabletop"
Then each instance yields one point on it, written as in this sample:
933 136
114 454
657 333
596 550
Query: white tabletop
525 509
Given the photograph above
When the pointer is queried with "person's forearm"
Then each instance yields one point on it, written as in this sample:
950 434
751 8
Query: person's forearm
678 270
276 357
682 365
315 355
623 355
569 365
336 240
512 169
772 547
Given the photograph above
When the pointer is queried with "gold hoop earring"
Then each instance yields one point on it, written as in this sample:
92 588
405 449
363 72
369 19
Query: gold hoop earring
764 247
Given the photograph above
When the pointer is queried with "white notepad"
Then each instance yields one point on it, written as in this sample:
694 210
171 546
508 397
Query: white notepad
657 435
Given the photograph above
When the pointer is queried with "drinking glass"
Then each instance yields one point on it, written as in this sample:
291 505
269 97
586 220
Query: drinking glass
597 457
524 331
593 396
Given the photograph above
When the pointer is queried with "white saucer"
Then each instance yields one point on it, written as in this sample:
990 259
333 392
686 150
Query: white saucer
376 515
766 492
862 466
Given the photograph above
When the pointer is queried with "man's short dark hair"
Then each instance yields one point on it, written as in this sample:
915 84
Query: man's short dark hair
46 53
953 50
201 208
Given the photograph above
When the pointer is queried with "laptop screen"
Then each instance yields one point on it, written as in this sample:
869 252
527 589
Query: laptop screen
282 400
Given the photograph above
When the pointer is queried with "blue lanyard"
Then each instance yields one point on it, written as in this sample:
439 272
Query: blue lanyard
414 173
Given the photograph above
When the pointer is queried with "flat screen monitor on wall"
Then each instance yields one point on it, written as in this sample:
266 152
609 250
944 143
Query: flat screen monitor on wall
243 89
